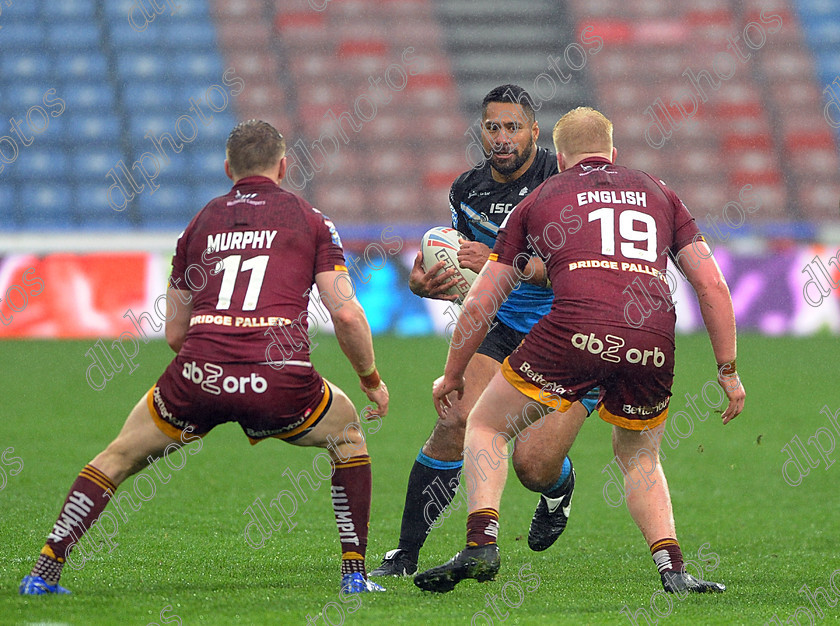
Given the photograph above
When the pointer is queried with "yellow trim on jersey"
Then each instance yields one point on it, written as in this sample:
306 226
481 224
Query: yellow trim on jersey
340 268
532 391
165 427
316 414
640 424
493 257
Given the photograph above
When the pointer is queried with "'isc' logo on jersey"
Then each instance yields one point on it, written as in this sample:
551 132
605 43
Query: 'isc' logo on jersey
501 207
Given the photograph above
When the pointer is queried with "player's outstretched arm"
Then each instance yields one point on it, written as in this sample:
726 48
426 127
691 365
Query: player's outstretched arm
179 306
488 292
702 271
353 334
427 284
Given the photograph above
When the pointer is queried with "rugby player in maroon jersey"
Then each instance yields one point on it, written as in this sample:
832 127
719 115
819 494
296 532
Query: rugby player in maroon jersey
237 319
589 338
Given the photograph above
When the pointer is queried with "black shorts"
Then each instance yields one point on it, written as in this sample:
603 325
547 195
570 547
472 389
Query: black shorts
196 394
500 341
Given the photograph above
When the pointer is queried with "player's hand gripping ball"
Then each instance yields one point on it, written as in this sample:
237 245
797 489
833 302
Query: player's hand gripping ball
441 244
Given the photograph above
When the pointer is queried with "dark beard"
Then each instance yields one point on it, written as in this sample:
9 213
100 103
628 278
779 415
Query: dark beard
506 169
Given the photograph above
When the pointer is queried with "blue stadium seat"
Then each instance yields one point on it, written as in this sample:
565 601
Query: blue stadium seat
23 35
8 206
21 95
142 123
21 11
170 207
826 32
80 66
16 65
828 66
75 34
200 66
90 201
87 96
192 9
92 129
184 33
148 65
70 10
46 206
93 163
118 9
126 37
151 96
40 164
208 165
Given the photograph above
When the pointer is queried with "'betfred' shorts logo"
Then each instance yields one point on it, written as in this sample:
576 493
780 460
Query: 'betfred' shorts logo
644 411
539 380
207 376
610 349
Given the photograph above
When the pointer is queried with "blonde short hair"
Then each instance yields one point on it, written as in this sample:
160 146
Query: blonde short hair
583 130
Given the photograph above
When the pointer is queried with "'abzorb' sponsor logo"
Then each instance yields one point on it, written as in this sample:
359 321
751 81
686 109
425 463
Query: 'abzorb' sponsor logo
207 376
609 349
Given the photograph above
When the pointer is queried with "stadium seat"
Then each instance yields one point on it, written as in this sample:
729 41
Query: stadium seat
244 33
131 40
75 34
8 206
92 129
80 66
199 66
23 35
343 201
16 65
154 96
90 200
94 163
149 65
22 12
87 96
207 165
171 206
71 10
182 33
225 10
40 164
46 206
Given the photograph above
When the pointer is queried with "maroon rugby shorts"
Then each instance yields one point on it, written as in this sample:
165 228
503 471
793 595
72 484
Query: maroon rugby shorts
266 402
635 370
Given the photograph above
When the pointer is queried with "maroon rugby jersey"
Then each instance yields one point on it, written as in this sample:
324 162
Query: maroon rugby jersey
598 227
250 258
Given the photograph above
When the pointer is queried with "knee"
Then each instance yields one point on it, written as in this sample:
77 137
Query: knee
447 438
534 476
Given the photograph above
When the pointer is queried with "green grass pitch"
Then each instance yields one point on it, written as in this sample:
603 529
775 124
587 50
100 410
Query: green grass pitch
183 554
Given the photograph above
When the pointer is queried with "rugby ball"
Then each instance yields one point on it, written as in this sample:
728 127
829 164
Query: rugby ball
441 244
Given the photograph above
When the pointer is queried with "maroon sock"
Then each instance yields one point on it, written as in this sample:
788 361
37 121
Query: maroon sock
667 555
88 497
351 485
482 527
